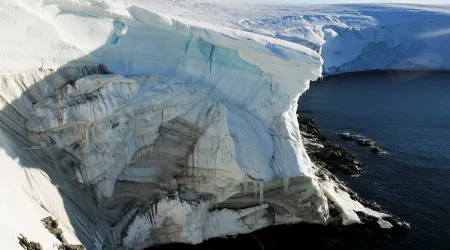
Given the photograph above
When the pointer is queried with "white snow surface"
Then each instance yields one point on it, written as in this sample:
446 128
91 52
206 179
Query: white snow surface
212 87
349 37
384 224
347 205
21 205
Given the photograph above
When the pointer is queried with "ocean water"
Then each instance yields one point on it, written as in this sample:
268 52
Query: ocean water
407 114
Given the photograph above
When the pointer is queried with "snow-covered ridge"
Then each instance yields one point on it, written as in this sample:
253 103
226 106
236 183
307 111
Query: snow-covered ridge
349 37
194 114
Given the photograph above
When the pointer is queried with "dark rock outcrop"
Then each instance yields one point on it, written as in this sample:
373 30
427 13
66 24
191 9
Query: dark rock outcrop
338 157
335 157
377 150
308 126
362 141
52 226
29 245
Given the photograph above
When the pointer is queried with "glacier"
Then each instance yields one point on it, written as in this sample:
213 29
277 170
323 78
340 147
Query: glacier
350 38
137 123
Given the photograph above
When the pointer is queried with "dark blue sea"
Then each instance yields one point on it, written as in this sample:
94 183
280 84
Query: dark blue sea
407 114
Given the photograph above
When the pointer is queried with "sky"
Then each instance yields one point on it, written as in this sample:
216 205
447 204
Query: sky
360 1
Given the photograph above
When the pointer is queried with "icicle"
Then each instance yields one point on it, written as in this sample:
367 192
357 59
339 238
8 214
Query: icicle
245 185
286 185
261 193
255 189
152 216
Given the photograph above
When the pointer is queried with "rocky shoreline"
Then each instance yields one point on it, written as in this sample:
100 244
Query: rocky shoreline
362 141
329 159
332 158
322 153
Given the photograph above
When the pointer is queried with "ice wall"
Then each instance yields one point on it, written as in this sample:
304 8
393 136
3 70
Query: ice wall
400 39
190 112
36 183
350 38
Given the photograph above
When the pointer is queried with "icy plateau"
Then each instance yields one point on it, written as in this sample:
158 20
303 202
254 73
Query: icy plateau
131 122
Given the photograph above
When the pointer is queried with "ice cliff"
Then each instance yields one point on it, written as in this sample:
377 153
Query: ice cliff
349 38
133 124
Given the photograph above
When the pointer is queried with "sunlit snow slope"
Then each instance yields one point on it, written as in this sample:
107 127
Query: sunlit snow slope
131 121
349 37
